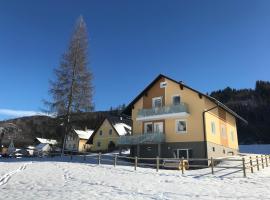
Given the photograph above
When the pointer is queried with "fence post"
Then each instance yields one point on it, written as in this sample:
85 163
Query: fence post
135 163
251 164
70 156
262 161
157 163
257 160
84 157
266 161
212 165
182 165
99 158
115 160
244 167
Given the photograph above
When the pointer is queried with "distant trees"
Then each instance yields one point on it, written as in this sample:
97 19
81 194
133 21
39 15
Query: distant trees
118 108
72 89
254 106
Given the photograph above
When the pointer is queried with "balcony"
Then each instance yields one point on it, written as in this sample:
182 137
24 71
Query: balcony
180 110
147 138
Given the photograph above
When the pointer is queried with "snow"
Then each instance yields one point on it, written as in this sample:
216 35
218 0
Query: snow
122 128
47 141
255 148
62 178
84 134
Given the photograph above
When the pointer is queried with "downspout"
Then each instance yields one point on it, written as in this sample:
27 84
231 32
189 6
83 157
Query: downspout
204 127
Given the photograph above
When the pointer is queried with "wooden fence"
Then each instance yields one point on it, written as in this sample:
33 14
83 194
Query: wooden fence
251 163
245 164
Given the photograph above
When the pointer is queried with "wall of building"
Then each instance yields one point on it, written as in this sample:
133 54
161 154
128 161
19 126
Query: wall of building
105 138
194 120
229 139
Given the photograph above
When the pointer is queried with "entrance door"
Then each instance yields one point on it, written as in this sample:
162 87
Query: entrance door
158 127
179 153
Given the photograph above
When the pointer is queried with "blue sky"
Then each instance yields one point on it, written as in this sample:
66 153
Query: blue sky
208 44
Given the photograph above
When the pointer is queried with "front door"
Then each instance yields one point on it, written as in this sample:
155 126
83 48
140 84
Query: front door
179 153
158 127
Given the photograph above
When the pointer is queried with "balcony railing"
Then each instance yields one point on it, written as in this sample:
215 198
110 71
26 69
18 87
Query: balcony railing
182 108
147 138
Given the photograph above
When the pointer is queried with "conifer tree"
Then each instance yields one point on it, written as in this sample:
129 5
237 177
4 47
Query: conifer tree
72 89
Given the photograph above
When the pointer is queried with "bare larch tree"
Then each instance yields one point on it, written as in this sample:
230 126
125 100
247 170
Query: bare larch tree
72 89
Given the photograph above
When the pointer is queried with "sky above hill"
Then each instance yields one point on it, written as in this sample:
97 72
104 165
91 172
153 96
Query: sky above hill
207 44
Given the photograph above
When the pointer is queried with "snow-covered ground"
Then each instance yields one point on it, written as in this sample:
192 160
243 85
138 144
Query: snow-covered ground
61 178
255 148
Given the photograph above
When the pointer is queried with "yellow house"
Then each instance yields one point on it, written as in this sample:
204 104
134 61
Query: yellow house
76 140
171 119
106 135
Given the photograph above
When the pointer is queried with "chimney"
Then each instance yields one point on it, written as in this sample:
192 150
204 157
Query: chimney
85 128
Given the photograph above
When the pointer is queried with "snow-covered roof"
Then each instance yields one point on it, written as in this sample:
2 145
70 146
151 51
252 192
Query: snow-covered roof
84 134
47 141
43 147
122 128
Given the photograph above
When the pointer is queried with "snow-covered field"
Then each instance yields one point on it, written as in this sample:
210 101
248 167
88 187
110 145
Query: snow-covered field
64 179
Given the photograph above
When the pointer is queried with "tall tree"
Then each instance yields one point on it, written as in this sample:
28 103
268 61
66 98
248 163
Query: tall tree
72 89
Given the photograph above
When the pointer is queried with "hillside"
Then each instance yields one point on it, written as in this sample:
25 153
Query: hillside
48 127
254 106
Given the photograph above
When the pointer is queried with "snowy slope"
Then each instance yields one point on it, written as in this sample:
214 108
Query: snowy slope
62 179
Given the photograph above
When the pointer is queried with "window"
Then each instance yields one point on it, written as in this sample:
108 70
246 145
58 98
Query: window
157 102
223 131
224 152
98 144
182 153
213 148
148 127
213 128
176 100
163 84
232 135
158 127
181 126
100 132
110 132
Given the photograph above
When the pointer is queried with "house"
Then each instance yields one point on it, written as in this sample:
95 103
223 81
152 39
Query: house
76 140
106 135
173 120
44 146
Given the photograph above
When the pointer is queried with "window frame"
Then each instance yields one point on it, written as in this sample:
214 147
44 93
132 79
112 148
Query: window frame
155 98
100 132
232 135
176 95
110 132
223 133
213 128
145 125
176 126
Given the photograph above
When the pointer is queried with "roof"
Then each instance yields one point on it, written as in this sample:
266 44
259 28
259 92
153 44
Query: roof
122 128
218 103
84 134
47 141
121 125
42 147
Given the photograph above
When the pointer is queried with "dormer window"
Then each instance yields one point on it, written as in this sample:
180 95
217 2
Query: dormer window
176 100
157 102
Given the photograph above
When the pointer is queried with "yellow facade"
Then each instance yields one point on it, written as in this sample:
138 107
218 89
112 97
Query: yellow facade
197 104
101 141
